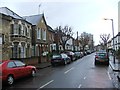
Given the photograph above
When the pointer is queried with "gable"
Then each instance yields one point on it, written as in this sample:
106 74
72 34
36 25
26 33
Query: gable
42 23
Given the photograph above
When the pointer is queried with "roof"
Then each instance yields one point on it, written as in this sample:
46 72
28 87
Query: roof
50 28
34 19
118 34
8 12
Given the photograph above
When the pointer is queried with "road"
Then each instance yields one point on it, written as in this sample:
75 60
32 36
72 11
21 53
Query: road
81 73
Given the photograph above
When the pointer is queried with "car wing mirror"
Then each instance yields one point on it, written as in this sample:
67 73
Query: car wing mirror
25 65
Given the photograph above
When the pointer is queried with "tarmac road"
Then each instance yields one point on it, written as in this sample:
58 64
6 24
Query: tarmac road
81 73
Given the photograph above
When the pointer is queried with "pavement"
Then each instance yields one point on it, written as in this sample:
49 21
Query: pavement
43 65
116 70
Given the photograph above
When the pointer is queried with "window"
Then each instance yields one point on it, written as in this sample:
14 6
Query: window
38 33
15 50
28 32
19 63
22 51
20 26
24 31
56 56
0 40
64 55
11 65
16 29
44 34
33 51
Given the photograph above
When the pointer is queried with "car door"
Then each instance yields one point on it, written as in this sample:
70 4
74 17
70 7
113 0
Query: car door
21 68
67 58
12 69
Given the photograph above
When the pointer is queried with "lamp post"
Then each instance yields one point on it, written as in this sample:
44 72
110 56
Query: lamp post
113 38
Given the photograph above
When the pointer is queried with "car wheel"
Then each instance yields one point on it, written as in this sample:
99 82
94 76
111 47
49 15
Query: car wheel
53 64
33 73
10 80
107 63
95 62
69 61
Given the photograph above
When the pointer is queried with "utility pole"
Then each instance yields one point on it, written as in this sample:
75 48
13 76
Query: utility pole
113 39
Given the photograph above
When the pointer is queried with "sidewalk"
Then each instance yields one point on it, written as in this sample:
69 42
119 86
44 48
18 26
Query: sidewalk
43 65
115 66
116 72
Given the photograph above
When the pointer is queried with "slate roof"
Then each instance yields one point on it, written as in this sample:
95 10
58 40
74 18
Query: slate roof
8 12
34 19
118 34
50 28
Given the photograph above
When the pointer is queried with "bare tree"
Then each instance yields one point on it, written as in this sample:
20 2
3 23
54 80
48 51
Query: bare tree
64 33
104 40
84 40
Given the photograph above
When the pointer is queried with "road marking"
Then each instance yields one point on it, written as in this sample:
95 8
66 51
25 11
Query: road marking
45 84
84 77
68 70
109 75
79 86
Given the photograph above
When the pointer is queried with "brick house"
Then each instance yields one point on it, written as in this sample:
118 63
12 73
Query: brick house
51 40
16 36
4 33
39 37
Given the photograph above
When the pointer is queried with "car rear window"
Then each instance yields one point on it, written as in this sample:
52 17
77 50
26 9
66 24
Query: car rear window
56 56
101 54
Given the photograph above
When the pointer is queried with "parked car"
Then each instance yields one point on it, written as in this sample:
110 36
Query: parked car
101 57
78 55
71 55
60 59
82 53
11 70
89 52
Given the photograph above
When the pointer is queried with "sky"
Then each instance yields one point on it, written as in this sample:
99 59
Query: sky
82 15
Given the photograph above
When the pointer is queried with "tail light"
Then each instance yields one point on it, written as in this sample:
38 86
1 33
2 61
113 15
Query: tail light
96 56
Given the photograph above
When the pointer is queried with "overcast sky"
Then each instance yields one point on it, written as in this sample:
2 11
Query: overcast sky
81 15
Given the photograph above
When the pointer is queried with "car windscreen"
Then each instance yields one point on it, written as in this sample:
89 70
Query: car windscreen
1 63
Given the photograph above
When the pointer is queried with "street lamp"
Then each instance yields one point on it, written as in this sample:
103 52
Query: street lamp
113 38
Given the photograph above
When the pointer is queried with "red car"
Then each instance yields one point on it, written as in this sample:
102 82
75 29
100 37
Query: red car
14 69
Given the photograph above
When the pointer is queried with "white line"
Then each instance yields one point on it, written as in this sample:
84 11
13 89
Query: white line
84 77
68 70
45 84
109 75
79 86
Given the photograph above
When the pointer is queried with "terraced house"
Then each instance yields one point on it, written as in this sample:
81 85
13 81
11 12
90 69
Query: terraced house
39 37
16 36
